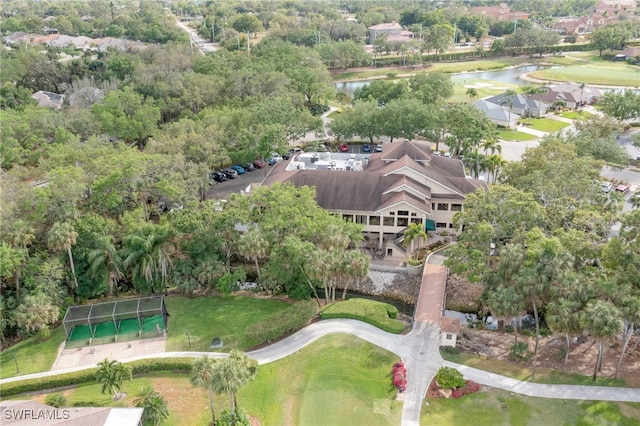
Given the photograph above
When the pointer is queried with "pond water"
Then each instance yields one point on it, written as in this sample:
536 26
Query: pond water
507 76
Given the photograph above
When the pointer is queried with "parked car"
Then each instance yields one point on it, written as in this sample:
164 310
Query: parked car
295 151
259 164
230 173
218 176
249 167
606 187
622 188
344 147
239 169
271 161
436 153
366 148
379 147
276 157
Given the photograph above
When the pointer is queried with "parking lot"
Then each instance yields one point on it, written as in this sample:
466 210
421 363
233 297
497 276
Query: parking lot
221 190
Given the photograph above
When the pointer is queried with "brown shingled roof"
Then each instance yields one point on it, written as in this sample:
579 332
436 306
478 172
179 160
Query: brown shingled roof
450 325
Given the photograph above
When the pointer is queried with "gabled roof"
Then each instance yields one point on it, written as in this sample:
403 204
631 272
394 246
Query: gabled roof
384 183
395 151
450 325
495 112
386 26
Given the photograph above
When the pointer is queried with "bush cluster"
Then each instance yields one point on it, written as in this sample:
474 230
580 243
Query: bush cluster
318 109
378 314
276 326
399 374
449 378
450 350
86 376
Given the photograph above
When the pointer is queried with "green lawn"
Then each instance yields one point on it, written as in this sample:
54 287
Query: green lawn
497 407
206 317
338 380
513 135
544 124
604 72
32 355
576 115
523 372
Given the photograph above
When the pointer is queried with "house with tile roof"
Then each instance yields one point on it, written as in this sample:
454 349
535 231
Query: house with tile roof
393 31
572 94
48 99
384 191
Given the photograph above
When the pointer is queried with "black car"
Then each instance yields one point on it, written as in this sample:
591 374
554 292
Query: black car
218 176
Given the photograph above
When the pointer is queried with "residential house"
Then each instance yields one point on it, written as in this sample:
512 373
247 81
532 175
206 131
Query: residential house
614 6
48 99
29 412
572 94
499 114
449 330
392 31
520 103
384 191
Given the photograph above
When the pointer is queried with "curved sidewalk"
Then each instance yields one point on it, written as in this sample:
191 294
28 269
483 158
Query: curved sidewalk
411 346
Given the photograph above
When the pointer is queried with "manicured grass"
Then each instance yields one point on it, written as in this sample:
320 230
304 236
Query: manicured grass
544 124
605 73
207 317
523 372
32 355
187 404
338 380
576 115
334 114
513 135
497 407
378 314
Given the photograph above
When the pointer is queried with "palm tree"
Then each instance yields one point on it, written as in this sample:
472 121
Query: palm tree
507 99
507 304
357 267
563 317
21 235
147 253
602 321
494 163
111 374
62 236
492 145
202 375
105 260
155 407
253 246
230 374
413 232
472 93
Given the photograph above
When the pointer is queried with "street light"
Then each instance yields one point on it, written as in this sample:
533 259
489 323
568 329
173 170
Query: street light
188 338
16 361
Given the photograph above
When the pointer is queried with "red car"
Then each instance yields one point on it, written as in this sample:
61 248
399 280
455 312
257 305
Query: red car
344 147
259 164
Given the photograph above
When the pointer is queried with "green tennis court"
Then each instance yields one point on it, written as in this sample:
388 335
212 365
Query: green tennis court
80 332
115 321
129 326
149 323
104 329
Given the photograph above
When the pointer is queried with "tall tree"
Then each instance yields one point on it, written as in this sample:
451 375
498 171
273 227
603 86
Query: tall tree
202 375
156 409
230 374
602 321
253 246
62 236
147 253
105 261
414 232
111 374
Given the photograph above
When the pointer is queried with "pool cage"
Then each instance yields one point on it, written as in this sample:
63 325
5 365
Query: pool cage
115 321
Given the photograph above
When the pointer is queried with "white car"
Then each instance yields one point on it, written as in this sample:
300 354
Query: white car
379 147
276 157
606 187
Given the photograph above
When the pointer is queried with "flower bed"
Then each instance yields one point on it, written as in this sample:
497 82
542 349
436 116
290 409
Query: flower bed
435 391
399 374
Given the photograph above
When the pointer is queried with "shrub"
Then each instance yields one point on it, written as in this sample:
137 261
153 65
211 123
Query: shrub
378 314
520 352
276 326
399 374
449 378
56 400
89 376
456 393
227 418
450 350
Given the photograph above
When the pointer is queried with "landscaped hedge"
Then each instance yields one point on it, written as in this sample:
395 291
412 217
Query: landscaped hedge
378 314
89 376
276 326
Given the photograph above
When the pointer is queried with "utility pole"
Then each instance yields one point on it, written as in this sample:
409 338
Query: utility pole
248 44
213 31
455 30
421 32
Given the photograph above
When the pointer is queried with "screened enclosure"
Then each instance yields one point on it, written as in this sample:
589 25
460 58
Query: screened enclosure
106 322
